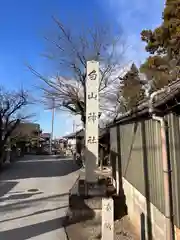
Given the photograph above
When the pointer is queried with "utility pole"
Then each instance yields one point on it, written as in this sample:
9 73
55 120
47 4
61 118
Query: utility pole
74 126
52 125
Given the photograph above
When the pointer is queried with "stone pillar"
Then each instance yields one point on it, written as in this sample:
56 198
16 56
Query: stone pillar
92 121
107 219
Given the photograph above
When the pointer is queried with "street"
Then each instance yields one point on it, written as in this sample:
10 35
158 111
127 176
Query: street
34 198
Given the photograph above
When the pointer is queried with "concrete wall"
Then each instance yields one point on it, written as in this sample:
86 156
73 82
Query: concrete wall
138 148
137 211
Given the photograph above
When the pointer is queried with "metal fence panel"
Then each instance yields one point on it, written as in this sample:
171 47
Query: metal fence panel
174 147
132 155
154 163
134 160
113 150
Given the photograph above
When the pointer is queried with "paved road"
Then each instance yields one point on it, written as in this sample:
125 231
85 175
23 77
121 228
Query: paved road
34 198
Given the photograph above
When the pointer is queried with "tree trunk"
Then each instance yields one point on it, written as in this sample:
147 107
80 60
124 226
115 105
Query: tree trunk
83 119
2 154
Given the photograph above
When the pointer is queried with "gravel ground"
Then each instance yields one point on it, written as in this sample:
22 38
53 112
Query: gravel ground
124 230
91 230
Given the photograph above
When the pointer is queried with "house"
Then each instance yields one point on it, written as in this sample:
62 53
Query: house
145 152
104 136
81 134
27 130
26 133
46 137
74 138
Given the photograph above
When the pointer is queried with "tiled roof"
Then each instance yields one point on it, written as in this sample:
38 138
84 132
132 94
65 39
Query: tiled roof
170 92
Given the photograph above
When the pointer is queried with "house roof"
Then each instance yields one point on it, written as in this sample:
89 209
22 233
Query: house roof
26 129
45 135
80 133
164 102
74 134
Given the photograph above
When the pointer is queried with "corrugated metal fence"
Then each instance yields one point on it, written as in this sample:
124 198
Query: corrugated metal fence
141 159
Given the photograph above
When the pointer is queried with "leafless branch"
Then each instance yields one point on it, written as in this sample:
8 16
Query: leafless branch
11 106
72 51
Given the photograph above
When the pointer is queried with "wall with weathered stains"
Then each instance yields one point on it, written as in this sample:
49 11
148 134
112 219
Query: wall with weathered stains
138 146
137 211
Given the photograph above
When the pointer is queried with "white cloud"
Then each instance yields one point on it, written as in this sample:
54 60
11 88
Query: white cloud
70 120
133 16
137 12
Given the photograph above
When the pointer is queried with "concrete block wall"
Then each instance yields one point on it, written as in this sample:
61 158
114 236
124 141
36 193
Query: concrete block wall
137 212
137 208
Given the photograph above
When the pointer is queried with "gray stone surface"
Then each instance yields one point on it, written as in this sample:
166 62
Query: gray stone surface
91 230
34 198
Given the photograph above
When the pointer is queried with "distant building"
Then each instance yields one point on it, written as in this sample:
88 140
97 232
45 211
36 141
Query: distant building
27 132
46 137
45 141
26 136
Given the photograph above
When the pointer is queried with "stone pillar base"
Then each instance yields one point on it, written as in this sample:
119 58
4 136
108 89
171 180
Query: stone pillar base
91 189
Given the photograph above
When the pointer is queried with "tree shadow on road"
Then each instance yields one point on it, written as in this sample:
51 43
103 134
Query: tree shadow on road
19 196
27 203
39 168
27 232
33 230
34 213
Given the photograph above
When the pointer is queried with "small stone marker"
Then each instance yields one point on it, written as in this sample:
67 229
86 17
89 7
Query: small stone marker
107 219
117 176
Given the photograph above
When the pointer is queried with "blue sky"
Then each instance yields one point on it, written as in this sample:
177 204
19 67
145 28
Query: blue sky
24 23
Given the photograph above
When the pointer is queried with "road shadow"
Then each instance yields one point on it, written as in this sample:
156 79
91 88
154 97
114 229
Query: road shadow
5 187
34 213
27 232
19 196
32 168
27 203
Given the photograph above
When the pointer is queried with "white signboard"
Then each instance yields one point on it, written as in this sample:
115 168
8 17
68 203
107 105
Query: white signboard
92 119
107 219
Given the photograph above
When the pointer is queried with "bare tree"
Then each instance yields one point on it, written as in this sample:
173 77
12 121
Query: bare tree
72 51
11 106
